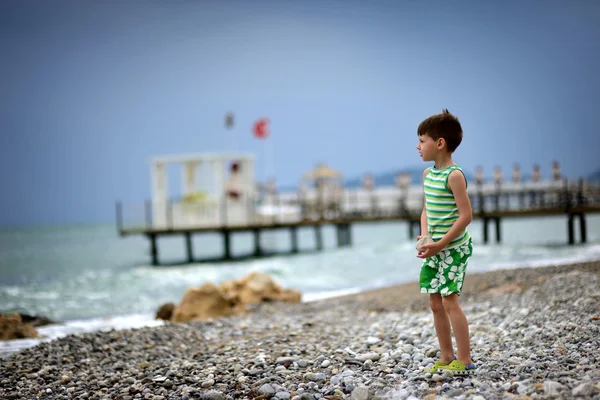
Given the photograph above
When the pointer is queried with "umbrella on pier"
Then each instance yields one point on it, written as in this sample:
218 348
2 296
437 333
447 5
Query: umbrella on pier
322 171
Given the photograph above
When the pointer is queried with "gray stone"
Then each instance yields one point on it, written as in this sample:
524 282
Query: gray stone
266 389
360 393
585 389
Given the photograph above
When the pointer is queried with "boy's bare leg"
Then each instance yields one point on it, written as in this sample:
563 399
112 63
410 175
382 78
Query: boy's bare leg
442 328
460 327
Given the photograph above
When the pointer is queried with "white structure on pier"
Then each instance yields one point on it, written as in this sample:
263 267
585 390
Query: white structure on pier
211 183
220 189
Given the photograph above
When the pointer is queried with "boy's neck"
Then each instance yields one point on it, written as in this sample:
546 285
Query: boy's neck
443 161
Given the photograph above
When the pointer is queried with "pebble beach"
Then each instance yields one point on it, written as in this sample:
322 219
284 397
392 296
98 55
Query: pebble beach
535 334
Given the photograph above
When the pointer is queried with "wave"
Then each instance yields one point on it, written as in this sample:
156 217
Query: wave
55 331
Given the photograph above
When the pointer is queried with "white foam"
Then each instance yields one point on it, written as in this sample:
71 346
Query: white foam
581 254
55 331
540 263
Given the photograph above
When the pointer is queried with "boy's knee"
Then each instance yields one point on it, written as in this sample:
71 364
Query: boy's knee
435 303
450 303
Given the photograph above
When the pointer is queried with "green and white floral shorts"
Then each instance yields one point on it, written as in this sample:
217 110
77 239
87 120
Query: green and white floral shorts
444 273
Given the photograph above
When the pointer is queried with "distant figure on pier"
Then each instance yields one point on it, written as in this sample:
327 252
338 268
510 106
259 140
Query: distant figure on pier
556 175
271 186
498 176
397 182
324 179
516 173
536 176
369 185
303 187
338 194
367 182
402 181
479 179
233 186
516 179
405 180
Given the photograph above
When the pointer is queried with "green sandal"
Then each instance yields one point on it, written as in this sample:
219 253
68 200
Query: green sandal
436 366
457 368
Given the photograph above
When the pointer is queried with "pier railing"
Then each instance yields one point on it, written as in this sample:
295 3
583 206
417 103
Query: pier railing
357 204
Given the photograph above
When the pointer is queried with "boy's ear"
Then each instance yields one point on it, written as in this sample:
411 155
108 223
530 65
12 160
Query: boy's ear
441 143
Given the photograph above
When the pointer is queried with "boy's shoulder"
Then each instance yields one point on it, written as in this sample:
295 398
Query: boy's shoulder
456 177
457 171
425 172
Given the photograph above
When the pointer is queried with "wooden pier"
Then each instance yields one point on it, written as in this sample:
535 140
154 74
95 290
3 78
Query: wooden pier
491 206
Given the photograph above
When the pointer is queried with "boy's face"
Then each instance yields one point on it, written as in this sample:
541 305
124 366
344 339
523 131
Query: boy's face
427 147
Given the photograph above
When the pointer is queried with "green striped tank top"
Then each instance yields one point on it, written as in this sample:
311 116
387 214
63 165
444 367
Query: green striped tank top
440 205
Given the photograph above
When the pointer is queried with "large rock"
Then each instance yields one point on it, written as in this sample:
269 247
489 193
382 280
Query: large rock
257 287
13 327
36 320
165 311
230 298
204 302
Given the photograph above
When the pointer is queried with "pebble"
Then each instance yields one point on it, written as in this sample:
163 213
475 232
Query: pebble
541 343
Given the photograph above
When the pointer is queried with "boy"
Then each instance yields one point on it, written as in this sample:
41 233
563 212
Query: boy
445 217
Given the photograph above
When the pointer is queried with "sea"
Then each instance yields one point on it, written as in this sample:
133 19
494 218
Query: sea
88 278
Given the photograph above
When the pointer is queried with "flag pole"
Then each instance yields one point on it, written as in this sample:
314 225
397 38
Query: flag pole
268 155
229 122
266 161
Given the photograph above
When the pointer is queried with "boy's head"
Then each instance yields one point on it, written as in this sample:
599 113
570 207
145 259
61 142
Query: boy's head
444 128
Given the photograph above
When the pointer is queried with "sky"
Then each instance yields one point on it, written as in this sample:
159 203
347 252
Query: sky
91 90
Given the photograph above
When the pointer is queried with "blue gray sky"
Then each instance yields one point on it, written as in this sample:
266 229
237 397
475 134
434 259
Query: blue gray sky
92 89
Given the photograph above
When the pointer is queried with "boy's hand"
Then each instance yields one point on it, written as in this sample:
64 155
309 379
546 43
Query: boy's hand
429 250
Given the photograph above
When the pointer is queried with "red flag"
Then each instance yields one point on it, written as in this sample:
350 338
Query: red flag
261 128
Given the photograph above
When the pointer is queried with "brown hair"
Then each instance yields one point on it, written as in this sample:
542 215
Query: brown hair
443 125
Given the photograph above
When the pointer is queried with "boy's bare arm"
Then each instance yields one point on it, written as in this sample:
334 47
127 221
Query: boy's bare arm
458 185
424 227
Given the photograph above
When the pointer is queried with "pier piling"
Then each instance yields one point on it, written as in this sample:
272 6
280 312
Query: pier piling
349 234
153 249
498 229
319 237
294 238
188 247
340 235
486 222
257 245
571 229
226 244
411 230
582 228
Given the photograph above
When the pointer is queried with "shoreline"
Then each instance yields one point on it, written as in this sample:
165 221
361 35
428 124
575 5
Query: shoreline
478 286
535 332
384 295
